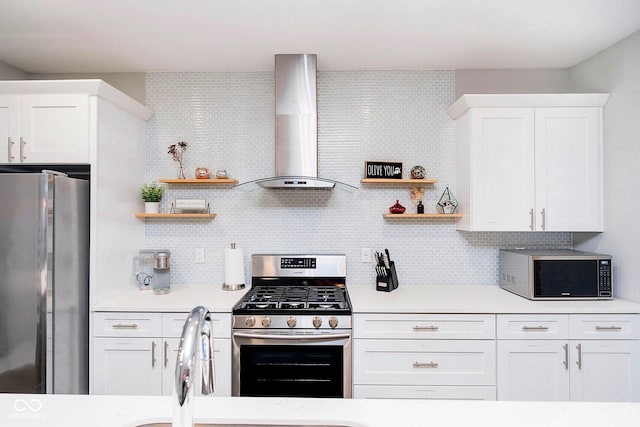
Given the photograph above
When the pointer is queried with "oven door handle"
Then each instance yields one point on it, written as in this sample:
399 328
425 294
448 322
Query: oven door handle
323 337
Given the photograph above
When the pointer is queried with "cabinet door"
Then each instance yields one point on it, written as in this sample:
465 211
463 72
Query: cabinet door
502 169
533 370
568 172
127 366
605 371
9 128
54 128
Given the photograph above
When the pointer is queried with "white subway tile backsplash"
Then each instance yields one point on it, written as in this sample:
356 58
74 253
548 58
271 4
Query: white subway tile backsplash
228 121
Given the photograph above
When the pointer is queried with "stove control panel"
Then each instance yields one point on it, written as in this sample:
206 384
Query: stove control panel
297 262
291 322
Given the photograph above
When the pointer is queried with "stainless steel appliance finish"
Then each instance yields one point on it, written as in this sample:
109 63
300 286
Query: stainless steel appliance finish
557 274
297 126
44 247
292 330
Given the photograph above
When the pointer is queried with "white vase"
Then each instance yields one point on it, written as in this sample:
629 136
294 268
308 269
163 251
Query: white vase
151 207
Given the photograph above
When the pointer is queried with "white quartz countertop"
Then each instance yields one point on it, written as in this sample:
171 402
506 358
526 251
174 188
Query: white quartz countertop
129 411
180 299
365 299
473 300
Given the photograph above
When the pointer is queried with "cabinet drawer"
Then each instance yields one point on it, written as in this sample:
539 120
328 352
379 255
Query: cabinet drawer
172 324
432 326
422 392
535 326
424 362
605 326
117 324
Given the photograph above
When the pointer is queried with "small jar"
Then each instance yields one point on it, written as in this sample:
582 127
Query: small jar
202 173
221 174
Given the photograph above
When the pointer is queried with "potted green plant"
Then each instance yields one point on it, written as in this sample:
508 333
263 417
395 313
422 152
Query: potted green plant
151 194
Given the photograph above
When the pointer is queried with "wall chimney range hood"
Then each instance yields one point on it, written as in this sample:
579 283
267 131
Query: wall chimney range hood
296 111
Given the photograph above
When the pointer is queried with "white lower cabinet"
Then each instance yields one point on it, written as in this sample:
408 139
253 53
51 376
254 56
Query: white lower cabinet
569 357
424 356
135 353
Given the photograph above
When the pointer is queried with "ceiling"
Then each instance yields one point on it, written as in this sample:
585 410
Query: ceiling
99 36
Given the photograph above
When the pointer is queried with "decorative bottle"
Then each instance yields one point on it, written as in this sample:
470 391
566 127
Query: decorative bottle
420 207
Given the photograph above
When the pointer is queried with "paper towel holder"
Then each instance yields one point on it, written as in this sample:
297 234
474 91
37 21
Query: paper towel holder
232 286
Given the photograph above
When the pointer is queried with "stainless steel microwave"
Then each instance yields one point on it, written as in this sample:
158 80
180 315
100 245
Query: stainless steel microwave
558 274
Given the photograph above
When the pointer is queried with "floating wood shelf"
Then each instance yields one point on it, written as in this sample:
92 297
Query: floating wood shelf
175 216
397 181
199 181
425 216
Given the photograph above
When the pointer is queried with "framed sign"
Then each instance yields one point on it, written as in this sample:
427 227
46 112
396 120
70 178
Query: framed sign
389 170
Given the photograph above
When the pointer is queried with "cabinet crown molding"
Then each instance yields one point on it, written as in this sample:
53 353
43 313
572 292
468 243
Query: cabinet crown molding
530 100
94 87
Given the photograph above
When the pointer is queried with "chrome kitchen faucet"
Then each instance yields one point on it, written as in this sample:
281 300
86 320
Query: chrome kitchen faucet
196 333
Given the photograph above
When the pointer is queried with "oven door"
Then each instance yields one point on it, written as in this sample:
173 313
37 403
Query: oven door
299 363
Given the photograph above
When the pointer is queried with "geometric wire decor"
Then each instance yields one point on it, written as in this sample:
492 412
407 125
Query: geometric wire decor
447 203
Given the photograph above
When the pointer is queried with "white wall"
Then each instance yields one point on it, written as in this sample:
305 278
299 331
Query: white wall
617 71
7 72
512 81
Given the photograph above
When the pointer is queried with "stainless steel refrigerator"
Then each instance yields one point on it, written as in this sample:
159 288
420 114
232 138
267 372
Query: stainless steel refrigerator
44 283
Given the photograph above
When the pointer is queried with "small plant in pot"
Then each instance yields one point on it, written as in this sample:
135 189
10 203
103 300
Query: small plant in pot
151 194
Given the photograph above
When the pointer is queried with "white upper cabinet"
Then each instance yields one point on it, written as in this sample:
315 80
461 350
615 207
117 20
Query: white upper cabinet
44 128
529 162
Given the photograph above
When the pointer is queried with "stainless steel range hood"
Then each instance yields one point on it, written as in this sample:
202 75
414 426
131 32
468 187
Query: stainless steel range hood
297 127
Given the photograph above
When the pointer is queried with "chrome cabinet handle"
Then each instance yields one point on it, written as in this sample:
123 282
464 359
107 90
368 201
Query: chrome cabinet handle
566 357
608 328
425 365
531 216
125 326
22 144
10 144
535 328
166 354
153 354
579 361
544 215
425 328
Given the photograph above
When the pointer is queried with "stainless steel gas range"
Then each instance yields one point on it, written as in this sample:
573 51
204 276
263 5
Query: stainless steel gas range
292 330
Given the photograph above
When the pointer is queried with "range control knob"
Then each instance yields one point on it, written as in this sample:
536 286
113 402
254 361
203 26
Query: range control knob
250 321
333 322
317 322
292 322
266 321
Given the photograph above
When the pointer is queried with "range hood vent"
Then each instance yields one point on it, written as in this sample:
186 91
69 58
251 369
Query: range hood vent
296 128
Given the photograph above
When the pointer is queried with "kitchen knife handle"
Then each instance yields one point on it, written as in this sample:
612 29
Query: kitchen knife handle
10 149
425 365
566 357
22 144
579 361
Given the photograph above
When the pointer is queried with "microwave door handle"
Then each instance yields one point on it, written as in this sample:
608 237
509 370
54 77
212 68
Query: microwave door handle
323 337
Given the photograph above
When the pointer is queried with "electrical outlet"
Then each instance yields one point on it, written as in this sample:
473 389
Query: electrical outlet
365 255
199 255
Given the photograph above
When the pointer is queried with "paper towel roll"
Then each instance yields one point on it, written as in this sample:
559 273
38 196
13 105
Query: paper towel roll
233 268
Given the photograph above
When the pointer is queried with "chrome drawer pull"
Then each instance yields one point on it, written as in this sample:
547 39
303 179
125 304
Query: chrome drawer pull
10 143
22 144
579 361
425 365
153 354
166 354
608 328
125 326
535 328
566 357
425 328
